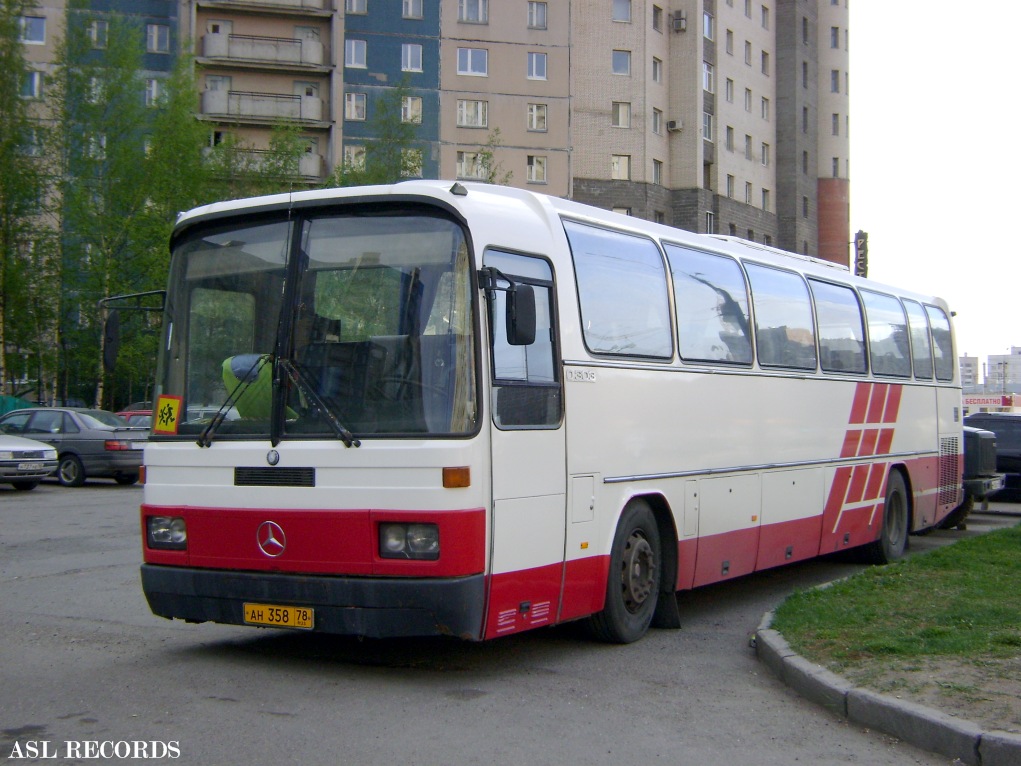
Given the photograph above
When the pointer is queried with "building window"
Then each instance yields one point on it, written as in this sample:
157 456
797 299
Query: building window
836 124
620 167
804 163
98 32
834 81
621 62
32 30
354 106
536 66
747 53
472 114
536 15
765 63
411 110
536 169
765 155
728 90
473 11
834 37
473 61
537 117
657 121
747 147
620 114
411 9
354 157
707 126
765 17
804 30
657 70
708 26
354 54
730 138
765 200
710 223
622 10
747 100
765 108
659 216
32 85
411 57
411 163
622 210
836 167
152 91
657 172
708 78
748 194
804 119
657 18
157 38
730 186
469 165
356 6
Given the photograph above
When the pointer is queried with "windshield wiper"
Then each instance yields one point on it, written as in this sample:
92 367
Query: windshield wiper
245 379
298 378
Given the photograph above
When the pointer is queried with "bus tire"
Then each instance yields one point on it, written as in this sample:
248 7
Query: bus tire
893 537
633 583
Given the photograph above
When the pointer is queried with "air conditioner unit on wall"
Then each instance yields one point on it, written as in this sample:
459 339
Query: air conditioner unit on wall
679 22
674 125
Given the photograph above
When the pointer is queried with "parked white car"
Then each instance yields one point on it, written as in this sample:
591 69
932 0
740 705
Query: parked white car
25 462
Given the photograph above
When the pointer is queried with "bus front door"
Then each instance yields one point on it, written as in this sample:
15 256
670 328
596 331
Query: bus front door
528 457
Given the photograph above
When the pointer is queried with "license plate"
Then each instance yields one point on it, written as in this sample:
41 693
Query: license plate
137 445
30 466
280 616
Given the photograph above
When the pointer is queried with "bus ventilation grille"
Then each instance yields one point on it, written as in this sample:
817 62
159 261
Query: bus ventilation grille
274 477
949 470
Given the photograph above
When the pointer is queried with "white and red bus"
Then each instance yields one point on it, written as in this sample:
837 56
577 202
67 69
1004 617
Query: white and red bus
446 408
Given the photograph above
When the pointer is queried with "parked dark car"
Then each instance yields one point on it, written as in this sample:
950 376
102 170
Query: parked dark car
1007 427
89 443
25 462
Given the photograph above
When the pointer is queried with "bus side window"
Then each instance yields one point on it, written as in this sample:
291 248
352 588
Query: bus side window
622 287
888 335
712 307
942 343
921 346
784 330
841 328
526 389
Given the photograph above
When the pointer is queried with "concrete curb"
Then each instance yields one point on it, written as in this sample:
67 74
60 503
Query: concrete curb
918 725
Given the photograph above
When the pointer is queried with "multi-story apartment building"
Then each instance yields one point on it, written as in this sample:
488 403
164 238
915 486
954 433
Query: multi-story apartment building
719 116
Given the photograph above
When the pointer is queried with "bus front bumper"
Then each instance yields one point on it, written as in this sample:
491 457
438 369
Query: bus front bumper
373 607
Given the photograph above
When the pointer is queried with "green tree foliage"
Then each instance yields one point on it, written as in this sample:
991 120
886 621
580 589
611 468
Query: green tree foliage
25 325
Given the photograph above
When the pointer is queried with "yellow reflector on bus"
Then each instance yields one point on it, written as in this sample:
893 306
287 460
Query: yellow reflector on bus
455 478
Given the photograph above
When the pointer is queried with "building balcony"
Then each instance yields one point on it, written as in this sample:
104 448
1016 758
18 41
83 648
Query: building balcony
310 166
274 51
316 7
238 105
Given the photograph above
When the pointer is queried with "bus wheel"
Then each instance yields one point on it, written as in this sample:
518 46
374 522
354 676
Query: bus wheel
632 587
893 537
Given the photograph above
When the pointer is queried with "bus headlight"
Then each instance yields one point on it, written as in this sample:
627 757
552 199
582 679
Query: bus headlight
166 532
409 541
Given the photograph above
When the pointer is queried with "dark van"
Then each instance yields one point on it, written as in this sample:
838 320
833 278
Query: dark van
1007 427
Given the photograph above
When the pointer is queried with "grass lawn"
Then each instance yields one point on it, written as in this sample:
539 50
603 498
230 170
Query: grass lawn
943 627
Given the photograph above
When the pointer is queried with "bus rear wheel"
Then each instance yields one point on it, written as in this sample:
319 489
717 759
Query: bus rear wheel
893 537
633 585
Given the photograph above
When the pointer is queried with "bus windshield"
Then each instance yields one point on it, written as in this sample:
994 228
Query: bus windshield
318 324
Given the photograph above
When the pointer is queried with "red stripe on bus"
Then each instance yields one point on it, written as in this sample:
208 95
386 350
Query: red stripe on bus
877 403
856 490
885 444
869 437
877 480
893 404
851 441
860 404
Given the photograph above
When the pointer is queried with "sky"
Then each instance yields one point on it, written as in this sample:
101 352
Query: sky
936 157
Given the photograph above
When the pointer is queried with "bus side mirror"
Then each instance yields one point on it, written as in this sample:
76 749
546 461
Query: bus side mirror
520 315
111 340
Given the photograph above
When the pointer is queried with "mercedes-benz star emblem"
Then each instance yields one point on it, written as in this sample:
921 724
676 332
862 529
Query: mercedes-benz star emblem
271 539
